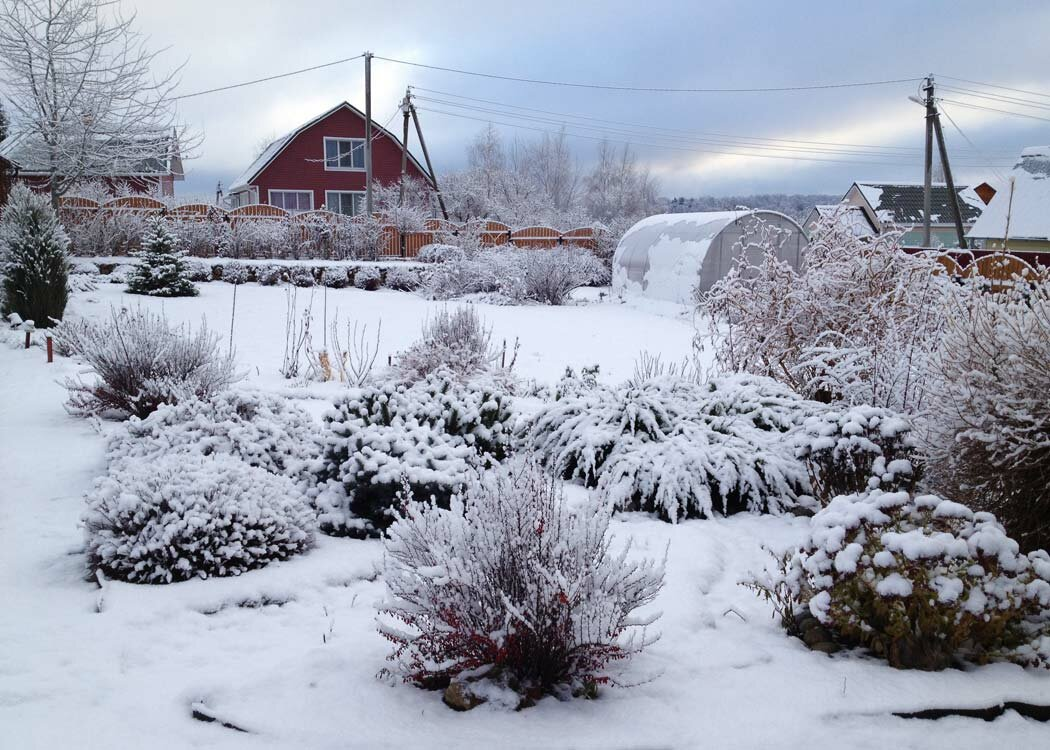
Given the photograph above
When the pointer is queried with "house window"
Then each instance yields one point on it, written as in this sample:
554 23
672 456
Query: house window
345 202
344 154
292 201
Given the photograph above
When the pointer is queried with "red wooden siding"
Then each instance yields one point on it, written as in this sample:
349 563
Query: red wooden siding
300 166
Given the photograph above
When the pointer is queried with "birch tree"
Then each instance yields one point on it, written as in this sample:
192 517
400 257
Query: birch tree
84 93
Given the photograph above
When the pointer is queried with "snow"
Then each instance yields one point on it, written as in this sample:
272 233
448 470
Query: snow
291 653
1029 183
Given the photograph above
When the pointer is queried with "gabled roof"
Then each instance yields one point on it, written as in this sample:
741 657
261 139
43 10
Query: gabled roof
849 217
1029 204
24 150
902 202
276 147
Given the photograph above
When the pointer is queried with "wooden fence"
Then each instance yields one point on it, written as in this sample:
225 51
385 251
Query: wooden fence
1002 270
396 244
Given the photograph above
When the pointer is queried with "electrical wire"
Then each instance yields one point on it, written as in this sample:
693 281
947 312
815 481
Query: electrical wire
993 109
268 78
967 139
651 89
996 97
997 86
668 146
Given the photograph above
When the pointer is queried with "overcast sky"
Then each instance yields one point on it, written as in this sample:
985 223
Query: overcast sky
688 44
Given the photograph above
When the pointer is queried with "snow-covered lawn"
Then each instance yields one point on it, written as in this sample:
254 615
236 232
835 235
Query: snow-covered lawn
290 653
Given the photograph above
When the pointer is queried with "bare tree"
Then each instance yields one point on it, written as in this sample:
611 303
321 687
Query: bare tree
83 91
617 188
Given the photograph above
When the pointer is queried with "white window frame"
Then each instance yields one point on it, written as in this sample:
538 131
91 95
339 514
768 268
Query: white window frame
328 200
271 191
328 167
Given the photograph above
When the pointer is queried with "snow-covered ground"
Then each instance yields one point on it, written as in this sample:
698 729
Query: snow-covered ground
290 653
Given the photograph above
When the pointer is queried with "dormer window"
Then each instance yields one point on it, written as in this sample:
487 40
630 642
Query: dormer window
344 154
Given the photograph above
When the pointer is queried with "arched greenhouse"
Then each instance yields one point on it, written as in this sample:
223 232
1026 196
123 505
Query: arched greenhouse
668 256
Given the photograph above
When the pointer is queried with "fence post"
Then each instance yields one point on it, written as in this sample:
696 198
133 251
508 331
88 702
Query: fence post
50 349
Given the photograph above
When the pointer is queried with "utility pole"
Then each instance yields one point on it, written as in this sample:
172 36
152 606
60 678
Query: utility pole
368 133
426 157
933 129
404 144
928 164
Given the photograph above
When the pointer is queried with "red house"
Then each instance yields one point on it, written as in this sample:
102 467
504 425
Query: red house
321 164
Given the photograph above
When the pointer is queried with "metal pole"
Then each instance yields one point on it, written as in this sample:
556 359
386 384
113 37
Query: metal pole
404 146
928 168
368 133
426 157
954 196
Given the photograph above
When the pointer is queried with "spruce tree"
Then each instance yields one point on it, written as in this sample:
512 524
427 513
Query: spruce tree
162 270
34 258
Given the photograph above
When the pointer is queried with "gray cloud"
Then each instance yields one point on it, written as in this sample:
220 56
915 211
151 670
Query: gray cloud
684 44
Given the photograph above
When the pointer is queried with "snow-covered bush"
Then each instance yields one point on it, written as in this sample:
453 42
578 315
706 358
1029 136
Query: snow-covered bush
456 341
302 276
198 270
427 436
269 275
121 273
989 429
403 279
514 275
368 237
185 515
335 277
920 580
261 430
162 269
80 282
140 362
367 277
84 268
437 253
235 273
513 589
676 447
857 324
34 259
850 450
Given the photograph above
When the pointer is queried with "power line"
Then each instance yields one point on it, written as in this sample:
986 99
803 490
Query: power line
967 139
670 130
996 86
668 146
680 140
996 97
268 78
653 89
993 109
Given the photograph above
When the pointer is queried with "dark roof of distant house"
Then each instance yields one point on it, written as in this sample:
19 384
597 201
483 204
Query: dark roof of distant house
902 203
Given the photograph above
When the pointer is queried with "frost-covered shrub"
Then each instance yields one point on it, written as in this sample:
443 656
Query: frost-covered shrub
262 430
919 580
512 588
512 275
235 273
185 515
34 259
80 282
140 362
848 451
302 276
269 275
989 425
456 341
857 324
162 270
84 268
121 273
335 277
367 277
676 447
438 253
198 270
427 436
403 279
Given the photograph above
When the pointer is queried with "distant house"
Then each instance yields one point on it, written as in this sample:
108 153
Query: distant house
1018 216
901 205
7 173
321 164
849 217
154 176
